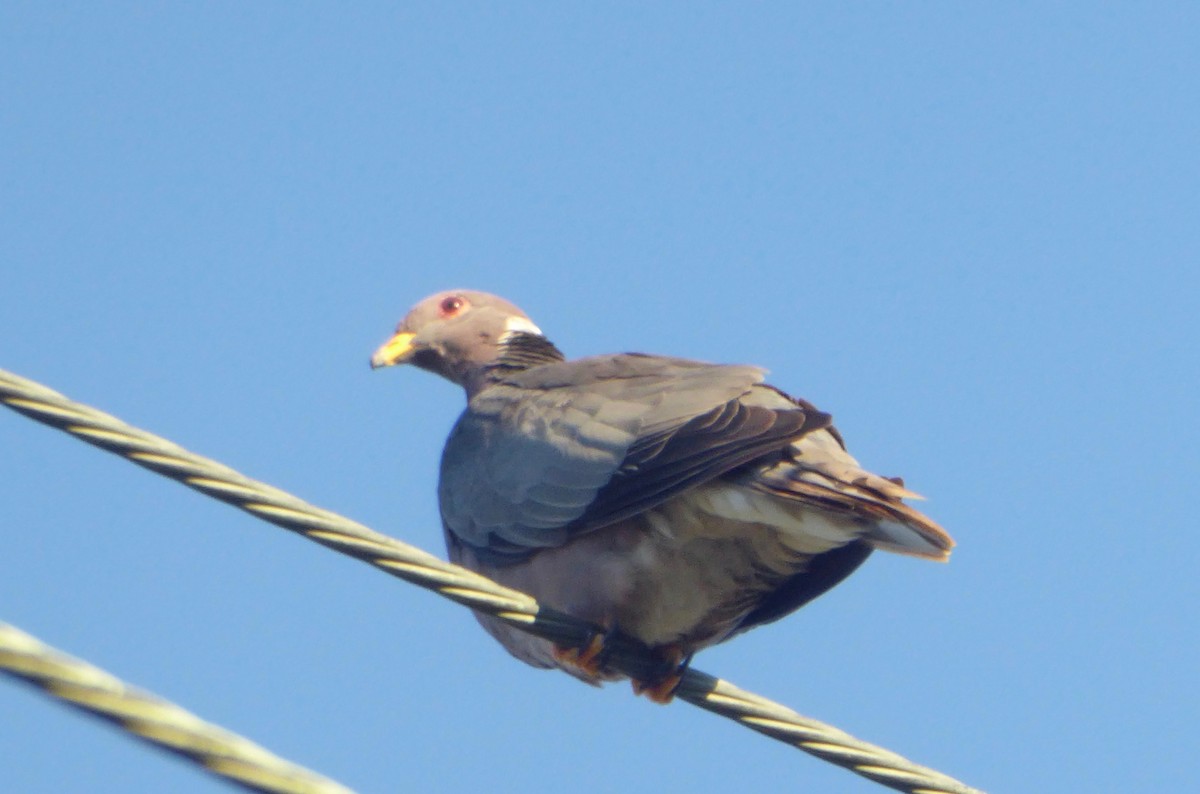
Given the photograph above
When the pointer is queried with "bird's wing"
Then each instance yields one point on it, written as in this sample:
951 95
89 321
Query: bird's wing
564 448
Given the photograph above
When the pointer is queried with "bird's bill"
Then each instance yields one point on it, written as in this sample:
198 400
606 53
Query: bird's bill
396 350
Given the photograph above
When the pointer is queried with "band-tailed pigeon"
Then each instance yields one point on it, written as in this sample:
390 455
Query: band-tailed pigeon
674 501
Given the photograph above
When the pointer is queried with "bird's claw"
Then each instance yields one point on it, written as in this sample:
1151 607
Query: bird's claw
591 660
591 663
661 690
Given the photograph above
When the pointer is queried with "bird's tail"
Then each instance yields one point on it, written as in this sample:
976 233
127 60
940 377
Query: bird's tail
820 473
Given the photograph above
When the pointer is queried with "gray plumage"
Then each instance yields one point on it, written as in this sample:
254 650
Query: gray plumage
676 501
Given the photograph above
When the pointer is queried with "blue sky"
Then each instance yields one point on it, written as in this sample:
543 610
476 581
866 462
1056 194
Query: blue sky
969 233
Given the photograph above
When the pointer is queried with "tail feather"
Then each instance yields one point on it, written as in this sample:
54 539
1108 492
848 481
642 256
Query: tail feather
821 473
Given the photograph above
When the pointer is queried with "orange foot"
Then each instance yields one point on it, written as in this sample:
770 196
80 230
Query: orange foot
588 661
662 690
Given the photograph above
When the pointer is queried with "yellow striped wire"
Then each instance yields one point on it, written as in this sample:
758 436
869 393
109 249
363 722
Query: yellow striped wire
156 721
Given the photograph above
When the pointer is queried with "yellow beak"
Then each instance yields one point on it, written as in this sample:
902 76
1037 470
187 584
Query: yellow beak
396 350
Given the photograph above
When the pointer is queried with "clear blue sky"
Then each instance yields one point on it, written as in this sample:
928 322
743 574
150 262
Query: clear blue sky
970 233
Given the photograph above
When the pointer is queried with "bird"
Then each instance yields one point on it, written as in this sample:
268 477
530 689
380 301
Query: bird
676 502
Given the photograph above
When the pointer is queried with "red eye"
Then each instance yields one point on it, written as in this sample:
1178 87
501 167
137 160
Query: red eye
452 305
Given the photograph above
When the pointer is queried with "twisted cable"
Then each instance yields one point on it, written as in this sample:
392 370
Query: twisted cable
155 721
463 586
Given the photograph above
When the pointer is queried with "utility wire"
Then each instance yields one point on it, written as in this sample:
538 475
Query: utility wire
154 720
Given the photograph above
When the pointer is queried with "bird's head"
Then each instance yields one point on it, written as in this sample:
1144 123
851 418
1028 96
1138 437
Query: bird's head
462 335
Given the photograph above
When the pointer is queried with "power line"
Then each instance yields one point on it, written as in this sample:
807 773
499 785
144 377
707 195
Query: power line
154 720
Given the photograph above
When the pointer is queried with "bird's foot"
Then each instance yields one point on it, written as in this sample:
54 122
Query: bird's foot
589 662
661 689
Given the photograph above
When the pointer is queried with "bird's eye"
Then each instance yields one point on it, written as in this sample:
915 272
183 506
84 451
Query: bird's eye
452 305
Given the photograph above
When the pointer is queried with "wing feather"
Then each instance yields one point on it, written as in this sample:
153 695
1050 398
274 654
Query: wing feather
568 447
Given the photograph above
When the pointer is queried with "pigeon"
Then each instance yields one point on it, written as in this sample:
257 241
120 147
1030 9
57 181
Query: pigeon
677 502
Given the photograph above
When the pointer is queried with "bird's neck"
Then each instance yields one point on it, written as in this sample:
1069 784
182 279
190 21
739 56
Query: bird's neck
520 350
517 352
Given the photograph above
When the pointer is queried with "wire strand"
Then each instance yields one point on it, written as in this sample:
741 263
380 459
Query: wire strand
462 586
